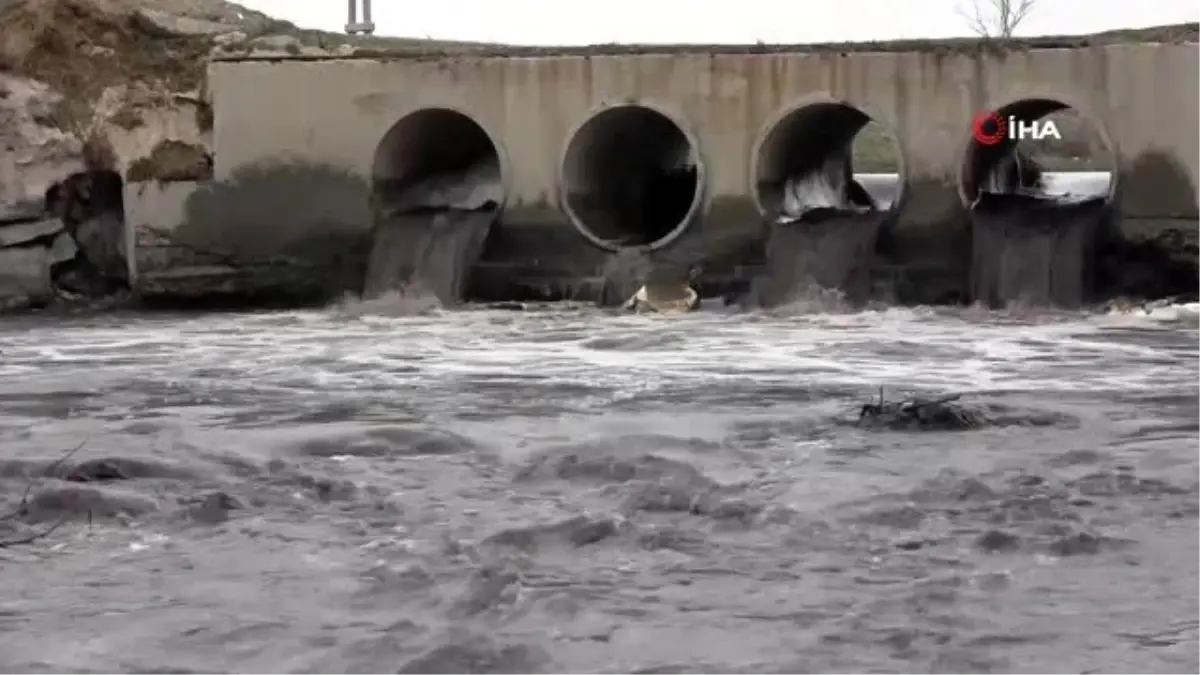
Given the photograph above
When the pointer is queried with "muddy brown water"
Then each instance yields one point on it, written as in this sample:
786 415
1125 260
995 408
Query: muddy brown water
432 250
1035 251
826 250
572 490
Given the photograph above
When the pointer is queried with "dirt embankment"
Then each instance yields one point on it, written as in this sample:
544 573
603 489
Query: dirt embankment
94 93
123 76
101 81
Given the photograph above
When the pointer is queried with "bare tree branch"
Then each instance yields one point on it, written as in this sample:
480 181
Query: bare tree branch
996 18
22 508
975 19
29 539
1017 14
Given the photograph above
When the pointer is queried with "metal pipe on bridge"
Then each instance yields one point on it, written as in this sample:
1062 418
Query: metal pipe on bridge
353 25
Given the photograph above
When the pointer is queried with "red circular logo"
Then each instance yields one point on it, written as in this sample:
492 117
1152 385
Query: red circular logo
988 128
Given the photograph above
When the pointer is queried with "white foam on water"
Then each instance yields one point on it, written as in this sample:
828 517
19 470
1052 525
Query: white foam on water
473 188
1166 313
342 350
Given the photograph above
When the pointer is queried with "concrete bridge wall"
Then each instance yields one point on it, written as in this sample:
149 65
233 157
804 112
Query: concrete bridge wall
295 141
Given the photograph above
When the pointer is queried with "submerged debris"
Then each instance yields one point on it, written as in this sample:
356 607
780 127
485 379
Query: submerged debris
666 293
660 299
938 414
1143 307
25 506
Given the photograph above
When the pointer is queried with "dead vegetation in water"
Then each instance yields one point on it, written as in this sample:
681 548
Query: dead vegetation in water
63 490
22 508
913 414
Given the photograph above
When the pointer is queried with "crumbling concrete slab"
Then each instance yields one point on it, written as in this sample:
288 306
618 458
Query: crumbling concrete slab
15 234
62 250
195 281
153 212
20 210
24 276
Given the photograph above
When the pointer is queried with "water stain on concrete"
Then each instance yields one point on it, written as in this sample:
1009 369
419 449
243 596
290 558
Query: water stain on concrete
1157 185
317 217
172 160
262 209
287 220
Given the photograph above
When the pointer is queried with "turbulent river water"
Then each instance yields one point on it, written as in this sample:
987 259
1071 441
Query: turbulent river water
573 490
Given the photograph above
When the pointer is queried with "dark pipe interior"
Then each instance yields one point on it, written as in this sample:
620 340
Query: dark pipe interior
431 143
626 179
1017 169
805 141
1029 247
85 195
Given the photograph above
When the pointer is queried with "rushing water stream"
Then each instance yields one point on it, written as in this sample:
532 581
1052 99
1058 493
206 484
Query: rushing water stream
571 490
431 250
829 249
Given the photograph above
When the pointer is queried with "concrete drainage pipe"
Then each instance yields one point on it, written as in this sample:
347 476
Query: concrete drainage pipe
1073 159
631 177
803 162
437 158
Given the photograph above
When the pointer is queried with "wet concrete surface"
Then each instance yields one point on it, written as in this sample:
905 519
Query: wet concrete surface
573 490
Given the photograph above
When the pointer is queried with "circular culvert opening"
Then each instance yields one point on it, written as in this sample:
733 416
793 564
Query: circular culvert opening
826 155
631 177
1039 147
437 158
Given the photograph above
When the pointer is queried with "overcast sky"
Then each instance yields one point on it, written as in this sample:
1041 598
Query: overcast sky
547 22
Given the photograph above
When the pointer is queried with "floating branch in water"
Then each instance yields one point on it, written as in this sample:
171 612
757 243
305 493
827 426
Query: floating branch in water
22 508
937 414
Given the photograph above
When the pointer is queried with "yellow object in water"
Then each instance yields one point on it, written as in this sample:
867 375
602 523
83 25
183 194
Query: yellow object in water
664 299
